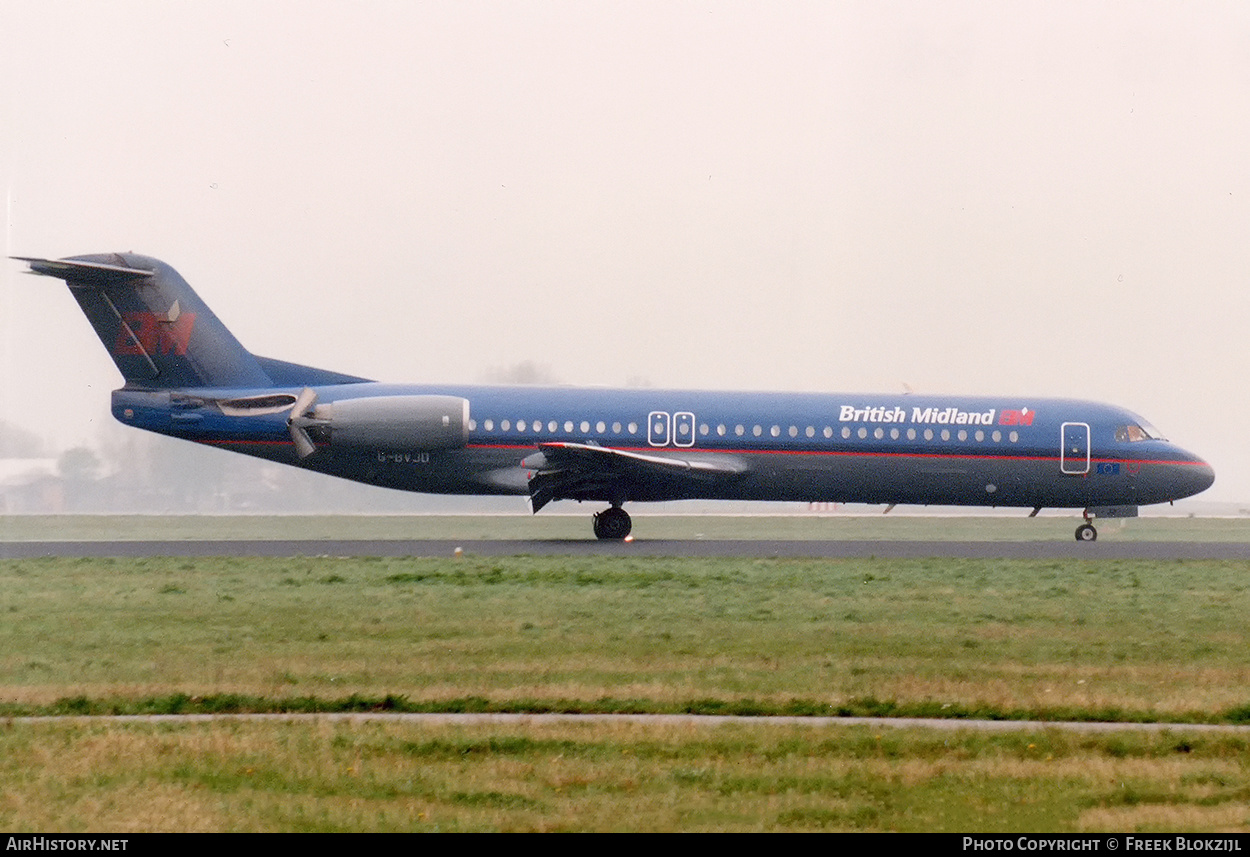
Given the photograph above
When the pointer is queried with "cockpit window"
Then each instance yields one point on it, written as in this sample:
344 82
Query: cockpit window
1134 432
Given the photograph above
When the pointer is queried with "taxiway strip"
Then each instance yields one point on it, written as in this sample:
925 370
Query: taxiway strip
949 725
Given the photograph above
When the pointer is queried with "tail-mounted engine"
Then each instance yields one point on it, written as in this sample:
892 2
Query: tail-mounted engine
422 423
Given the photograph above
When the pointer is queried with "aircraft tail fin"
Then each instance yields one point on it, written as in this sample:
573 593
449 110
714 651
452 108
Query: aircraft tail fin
154 326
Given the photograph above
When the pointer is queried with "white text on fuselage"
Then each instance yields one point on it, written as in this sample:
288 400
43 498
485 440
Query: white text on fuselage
403 457
936 416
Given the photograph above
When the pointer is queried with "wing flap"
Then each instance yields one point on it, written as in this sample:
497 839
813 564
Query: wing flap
579 471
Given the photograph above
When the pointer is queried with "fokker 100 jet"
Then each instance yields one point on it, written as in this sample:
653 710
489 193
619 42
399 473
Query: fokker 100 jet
188 377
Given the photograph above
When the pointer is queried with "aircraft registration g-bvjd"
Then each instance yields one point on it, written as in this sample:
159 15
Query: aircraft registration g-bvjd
188 377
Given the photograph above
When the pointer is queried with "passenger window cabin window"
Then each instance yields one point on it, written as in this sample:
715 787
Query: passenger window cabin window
828 431
600 427
505 425
490 425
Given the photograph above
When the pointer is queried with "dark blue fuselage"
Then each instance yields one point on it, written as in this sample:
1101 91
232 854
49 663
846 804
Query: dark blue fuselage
187 376
947 450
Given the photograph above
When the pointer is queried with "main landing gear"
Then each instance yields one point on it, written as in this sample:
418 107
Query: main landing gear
1086 532
612 524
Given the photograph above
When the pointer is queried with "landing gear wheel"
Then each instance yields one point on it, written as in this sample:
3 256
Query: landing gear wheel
1086 533
613 524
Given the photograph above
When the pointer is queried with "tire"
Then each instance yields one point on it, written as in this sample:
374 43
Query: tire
612 524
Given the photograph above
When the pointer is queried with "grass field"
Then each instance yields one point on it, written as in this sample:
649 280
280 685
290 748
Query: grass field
871 525
1120 639
1127 640
588 776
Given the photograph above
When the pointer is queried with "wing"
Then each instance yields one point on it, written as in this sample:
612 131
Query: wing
578 471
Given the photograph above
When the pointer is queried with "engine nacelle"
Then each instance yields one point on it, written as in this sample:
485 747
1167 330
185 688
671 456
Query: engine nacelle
396 422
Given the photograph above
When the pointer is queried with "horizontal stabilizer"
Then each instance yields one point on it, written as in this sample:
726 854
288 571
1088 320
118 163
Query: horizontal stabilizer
86 273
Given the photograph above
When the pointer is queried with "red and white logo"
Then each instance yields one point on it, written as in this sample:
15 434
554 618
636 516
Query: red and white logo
1022 417
151 334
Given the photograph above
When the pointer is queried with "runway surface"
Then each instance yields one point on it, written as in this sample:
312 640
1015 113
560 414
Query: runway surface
829 549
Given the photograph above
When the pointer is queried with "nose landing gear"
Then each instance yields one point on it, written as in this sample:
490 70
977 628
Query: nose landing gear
1086 532
612 524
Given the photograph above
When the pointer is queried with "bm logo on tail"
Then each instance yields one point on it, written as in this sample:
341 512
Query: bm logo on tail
148 333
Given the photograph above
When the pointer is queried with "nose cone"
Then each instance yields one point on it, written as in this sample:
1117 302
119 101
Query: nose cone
1193 478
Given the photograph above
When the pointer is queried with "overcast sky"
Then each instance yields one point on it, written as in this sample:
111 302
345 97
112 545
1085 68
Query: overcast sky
1020 198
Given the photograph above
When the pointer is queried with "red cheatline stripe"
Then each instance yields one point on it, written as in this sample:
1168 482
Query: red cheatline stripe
847 453
950 456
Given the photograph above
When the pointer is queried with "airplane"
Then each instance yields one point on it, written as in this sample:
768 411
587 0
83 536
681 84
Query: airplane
187 376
